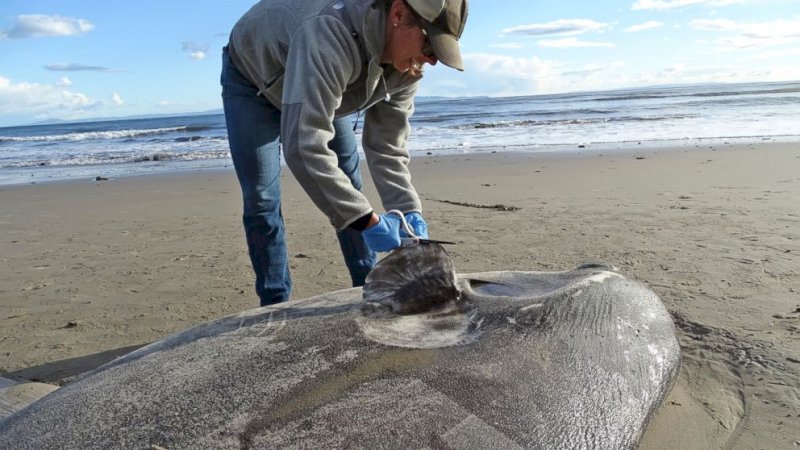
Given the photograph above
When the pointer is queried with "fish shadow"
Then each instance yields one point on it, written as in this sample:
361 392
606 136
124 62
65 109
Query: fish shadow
63 371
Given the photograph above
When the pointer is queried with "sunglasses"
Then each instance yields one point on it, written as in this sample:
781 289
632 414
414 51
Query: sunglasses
427 50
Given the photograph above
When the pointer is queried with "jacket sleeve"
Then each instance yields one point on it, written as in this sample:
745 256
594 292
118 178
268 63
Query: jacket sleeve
385 138
322 60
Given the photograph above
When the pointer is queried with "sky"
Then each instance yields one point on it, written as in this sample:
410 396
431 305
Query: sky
73 60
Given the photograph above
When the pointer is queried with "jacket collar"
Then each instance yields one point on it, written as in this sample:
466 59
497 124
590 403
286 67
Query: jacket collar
370 19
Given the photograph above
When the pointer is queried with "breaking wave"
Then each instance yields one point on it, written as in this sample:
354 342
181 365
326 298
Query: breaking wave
97 135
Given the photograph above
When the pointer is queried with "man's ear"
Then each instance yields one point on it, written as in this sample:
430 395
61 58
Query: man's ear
399 12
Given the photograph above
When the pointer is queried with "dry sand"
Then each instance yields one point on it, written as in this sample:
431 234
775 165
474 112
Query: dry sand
92 270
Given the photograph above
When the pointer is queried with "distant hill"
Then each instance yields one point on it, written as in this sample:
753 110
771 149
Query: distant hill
421 99
210 112
436 98
200 113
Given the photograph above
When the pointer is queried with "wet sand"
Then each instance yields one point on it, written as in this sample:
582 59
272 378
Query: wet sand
92 270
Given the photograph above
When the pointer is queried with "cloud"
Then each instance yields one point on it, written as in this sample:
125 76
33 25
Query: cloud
593 69
643 26
510 45
72 67
671 4
196 51
722 73
519 67
574 43
514 76
509 75
524 76
39 25
64 82
563 27
116 99
779 54
34 98
754 34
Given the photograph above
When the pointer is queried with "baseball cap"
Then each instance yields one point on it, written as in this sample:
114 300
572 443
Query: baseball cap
443 21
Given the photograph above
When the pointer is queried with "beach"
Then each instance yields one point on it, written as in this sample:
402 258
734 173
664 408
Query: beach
95 269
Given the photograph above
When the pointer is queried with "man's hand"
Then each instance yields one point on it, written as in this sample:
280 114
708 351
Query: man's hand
383 235
417 224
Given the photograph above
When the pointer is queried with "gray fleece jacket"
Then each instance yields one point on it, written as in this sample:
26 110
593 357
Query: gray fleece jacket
320 59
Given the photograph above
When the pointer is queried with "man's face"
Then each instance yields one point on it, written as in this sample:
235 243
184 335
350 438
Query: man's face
408 46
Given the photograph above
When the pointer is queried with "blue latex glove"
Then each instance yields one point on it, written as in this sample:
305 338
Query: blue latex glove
418 224
384 235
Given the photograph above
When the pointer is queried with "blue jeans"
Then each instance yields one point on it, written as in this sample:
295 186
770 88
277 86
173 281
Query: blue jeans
253 135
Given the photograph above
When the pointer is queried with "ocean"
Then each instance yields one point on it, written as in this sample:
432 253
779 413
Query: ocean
683 116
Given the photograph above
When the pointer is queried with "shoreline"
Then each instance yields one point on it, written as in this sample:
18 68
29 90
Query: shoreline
96 269
46 174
